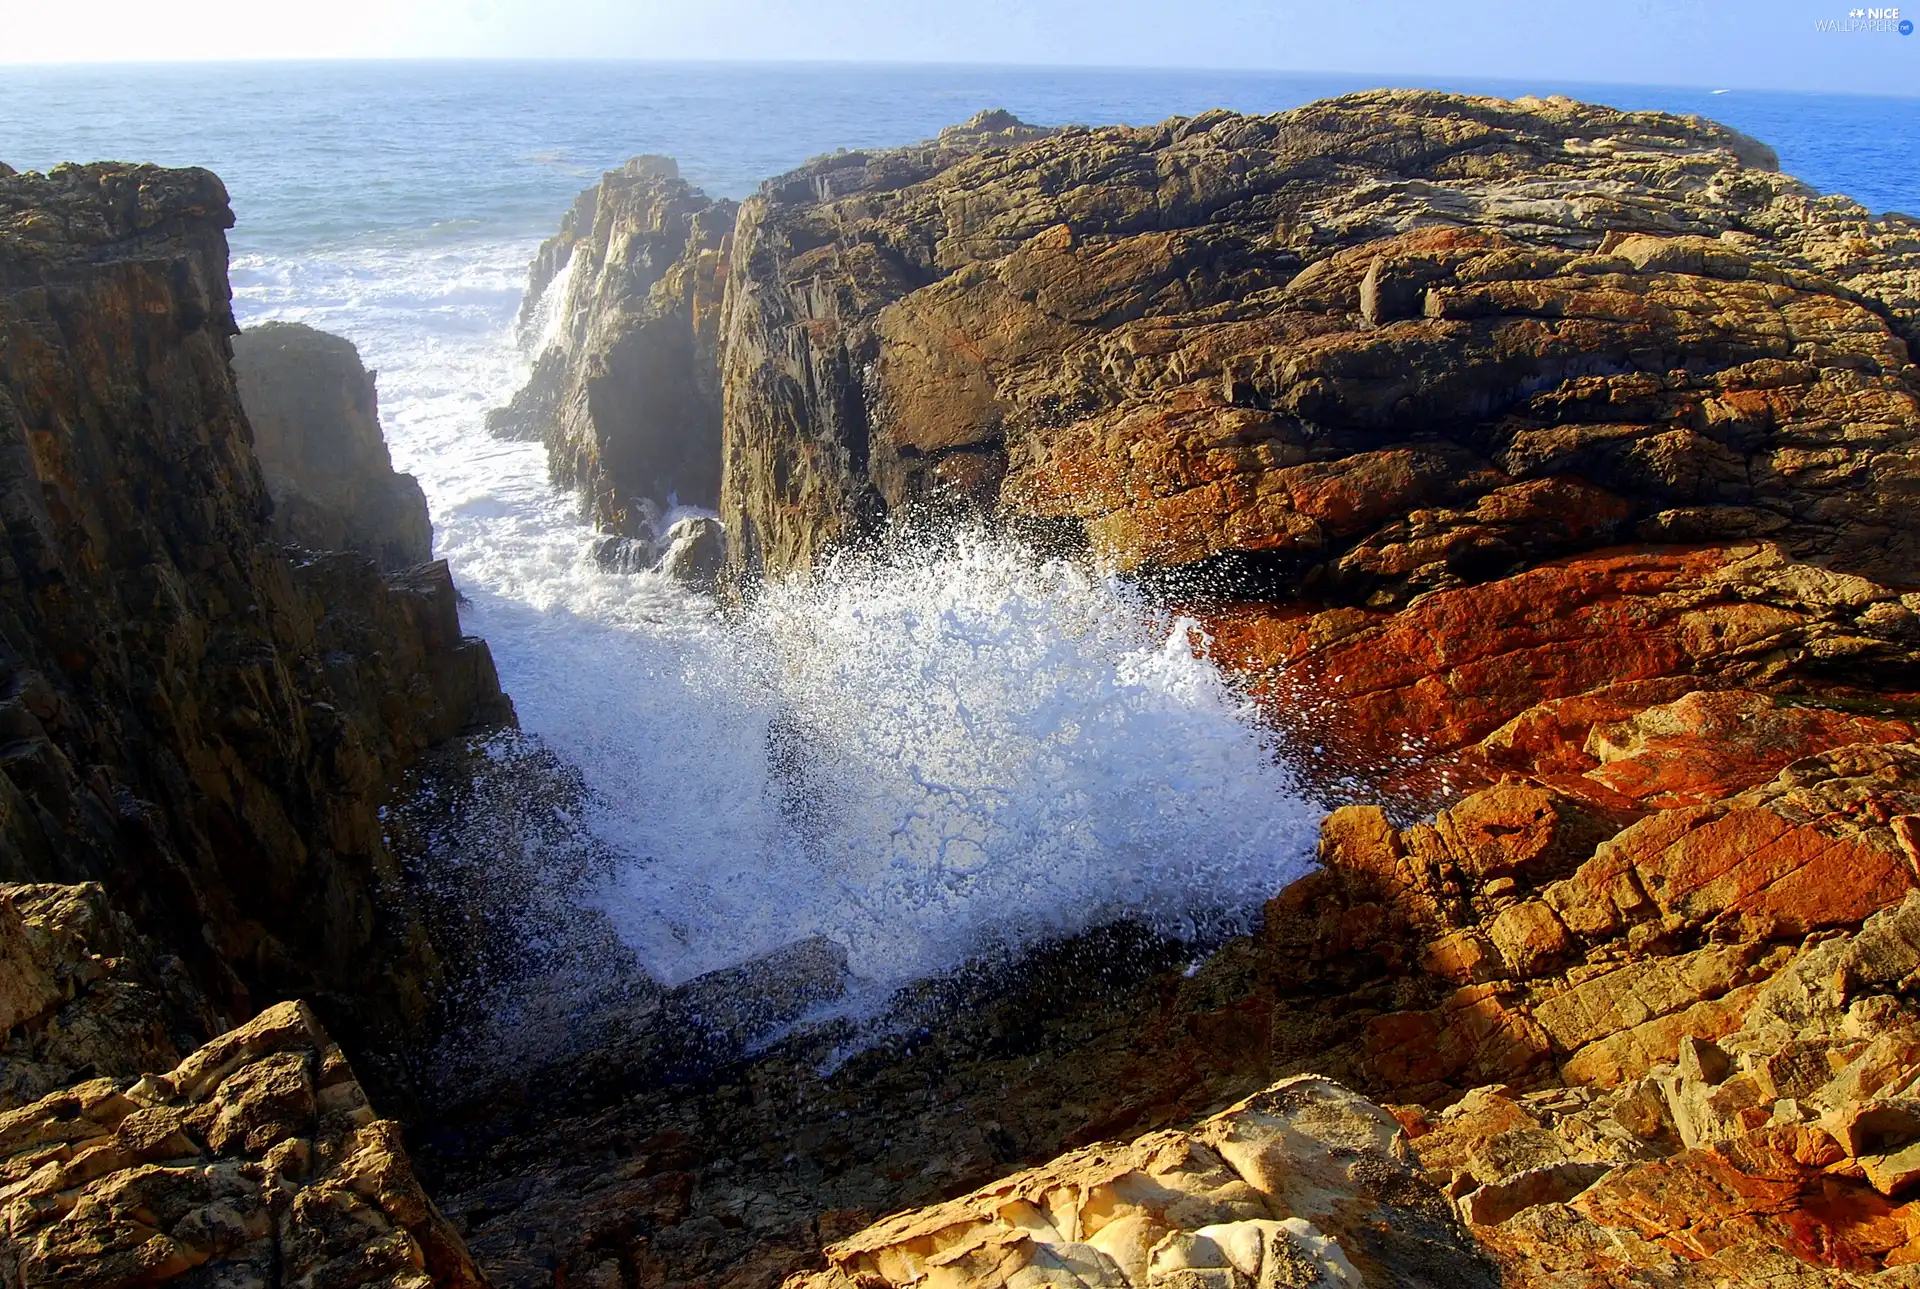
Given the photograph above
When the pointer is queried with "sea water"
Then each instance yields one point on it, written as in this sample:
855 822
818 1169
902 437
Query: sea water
919 758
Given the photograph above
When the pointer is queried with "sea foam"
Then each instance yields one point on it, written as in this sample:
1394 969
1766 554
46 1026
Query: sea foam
924 757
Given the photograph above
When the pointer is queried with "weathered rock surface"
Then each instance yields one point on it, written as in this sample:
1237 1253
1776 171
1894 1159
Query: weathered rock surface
195 722
1376 346
1537 673
1304 1184
83 994
625 303
316 432
254 1161
1545 471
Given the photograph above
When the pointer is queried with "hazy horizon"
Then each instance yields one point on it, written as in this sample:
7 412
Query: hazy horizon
1780 45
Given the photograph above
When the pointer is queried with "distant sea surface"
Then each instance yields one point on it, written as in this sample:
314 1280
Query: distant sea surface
398 204
315 153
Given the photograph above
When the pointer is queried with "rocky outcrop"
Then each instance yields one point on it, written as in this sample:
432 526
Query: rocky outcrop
204 726
623 307
1304 1184
83 994
316 432
256 1160
1373 347
1541 469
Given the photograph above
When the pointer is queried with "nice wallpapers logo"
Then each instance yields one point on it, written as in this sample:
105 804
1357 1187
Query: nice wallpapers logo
1866 22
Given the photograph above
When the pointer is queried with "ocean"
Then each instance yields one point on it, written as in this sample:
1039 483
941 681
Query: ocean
993 751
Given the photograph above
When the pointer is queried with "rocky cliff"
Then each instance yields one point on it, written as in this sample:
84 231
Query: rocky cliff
316 432
1543 470
1371 347
623 306
198 722
254 1160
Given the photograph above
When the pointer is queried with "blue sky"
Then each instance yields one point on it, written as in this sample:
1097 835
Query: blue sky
1759 44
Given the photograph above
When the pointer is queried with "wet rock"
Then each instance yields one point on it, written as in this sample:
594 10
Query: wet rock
696 552
623 554
316 430
624 306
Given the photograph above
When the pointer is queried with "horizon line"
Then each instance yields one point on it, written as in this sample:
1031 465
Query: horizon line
504 60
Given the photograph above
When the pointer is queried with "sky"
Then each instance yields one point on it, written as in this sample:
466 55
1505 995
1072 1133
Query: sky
1747 44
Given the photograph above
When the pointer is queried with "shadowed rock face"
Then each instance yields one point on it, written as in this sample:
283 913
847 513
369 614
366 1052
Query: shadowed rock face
626 395
201 725
1375 346
316 431
256 1160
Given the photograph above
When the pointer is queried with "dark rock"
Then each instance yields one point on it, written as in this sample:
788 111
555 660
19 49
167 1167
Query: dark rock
201 726
316 430
696 552
623 554
625 390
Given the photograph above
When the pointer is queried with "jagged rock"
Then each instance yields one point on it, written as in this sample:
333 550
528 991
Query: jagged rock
316 430
624 303
696 552
255 1161
623 554
82 993
1375 346
1537 668
1304 1184
190 719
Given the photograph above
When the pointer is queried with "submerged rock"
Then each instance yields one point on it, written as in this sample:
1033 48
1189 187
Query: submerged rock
316 431
624 306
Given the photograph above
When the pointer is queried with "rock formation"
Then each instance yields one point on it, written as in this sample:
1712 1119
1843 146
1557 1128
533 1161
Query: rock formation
624 304
1532 460
316 432
1543 469
254 1160
200 724
1304 1184
1372 347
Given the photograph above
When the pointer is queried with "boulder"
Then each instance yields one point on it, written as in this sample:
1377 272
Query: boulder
696 552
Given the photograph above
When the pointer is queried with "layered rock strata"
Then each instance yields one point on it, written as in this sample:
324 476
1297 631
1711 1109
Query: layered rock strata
624 307
198 722
1534 460
256 1160
1304 1184
1372 347
316 432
